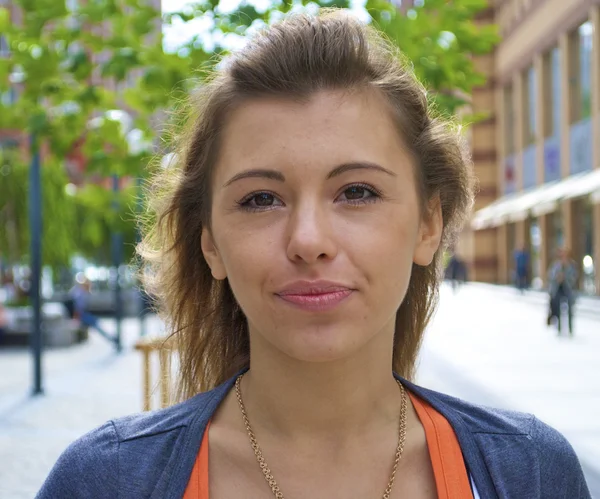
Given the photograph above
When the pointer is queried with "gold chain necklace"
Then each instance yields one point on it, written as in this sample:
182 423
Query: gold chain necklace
266 470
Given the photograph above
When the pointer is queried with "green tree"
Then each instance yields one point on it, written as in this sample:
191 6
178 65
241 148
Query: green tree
62 104
440 38
13 203
50 69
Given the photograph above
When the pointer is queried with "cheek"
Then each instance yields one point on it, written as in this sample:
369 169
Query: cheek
385 252
389 239
248 257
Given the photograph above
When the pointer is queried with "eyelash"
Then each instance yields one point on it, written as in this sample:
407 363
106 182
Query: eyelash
375 197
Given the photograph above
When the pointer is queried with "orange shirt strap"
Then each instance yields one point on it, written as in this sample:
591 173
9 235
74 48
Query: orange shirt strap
197 487
451 477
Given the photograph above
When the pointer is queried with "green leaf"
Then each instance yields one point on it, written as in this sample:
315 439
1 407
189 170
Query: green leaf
4 19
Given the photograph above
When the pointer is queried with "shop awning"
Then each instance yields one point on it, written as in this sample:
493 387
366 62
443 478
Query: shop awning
538 201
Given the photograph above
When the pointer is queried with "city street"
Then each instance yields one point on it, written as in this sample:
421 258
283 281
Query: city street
489 345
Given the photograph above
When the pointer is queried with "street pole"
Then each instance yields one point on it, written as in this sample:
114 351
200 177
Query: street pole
35 227
117 257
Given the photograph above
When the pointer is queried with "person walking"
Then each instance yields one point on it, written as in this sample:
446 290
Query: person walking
521 269
456 271
80 294
562 279
3 322
297 252
8 288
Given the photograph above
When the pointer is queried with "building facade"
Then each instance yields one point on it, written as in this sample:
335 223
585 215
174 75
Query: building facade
537 155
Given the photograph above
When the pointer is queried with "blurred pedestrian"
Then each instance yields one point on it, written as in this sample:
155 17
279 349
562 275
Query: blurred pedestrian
80 294
456 271
3 322
521 258
9 289
562 279
297 256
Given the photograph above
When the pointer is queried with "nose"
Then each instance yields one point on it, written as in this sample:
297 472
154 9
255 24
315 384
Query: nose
310 235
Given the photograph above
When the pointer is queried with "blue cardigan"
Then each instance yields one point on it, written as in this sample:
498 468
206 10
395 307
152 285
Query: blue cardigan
151 455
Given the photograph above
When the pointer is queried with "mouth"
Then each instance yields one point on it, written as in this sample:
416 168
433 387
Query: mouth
315 296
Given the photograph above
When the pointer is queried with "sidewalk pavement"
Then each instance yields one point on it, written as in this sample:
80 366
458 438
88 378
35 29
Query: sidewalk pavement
491 346
84 386
584 304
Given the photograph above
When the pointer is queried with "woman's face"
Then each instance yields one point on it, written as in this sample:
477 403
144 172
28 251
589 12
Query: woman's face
316 223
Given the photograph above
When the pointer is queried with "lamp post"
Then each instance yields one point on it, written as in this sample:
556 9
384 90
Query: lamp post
117 257
124 121
136 145
16 77
35 224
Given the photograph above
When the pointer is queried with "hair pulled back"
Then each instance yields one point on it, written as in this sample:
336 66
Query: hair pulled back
292 59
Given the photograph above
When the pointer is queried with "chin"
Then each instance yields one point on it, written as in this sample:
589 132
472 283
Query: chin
320 345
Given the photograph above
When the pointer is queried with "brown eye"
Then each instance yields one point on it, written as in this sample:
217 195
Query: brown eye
355 192
260 201
264 199
358 194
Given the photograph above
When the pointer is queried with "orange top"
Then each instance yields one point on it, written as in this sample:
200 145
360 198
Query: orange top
197 487
451 478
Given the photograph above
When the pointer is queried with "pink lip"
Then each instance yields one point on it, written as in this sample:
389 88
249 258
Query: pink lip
315 296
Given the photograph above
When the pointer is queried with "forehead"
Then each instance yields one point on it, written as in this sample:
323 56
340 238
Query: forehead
329 128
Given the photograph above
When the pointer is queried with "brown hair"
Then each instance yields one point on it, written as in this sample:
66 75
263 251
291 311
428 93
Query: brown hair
293 59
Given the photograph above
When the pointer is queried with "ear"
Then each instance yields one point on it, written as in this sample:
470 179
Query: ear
212 255
430 233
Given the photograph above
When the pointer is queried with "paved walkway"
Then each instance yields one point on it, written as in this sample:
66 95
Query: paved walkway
85 386
486 344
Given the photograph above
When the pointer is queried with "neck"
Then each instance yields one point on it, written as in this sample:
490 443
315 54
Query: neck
292 397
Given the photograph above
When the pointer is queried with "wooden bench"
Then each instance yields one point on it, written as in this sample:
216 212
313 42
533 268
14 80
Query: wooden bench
162 348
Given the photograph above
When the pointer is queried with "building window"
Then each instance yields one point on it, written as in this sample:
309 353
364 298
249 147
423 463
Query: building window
552 114
552 93
509 120
585 32
555 91
530 107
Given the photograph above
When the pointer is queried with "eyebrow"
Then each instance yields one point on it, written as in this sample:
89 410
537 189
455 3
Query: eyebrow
360 165
338 170
256 173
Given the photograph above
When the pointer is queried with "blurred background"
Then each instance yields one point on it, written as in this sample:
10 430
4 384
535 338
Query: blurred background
89 94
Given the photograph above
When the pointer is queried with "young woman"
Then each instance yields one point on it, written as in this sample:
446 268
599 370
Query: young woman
297 256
